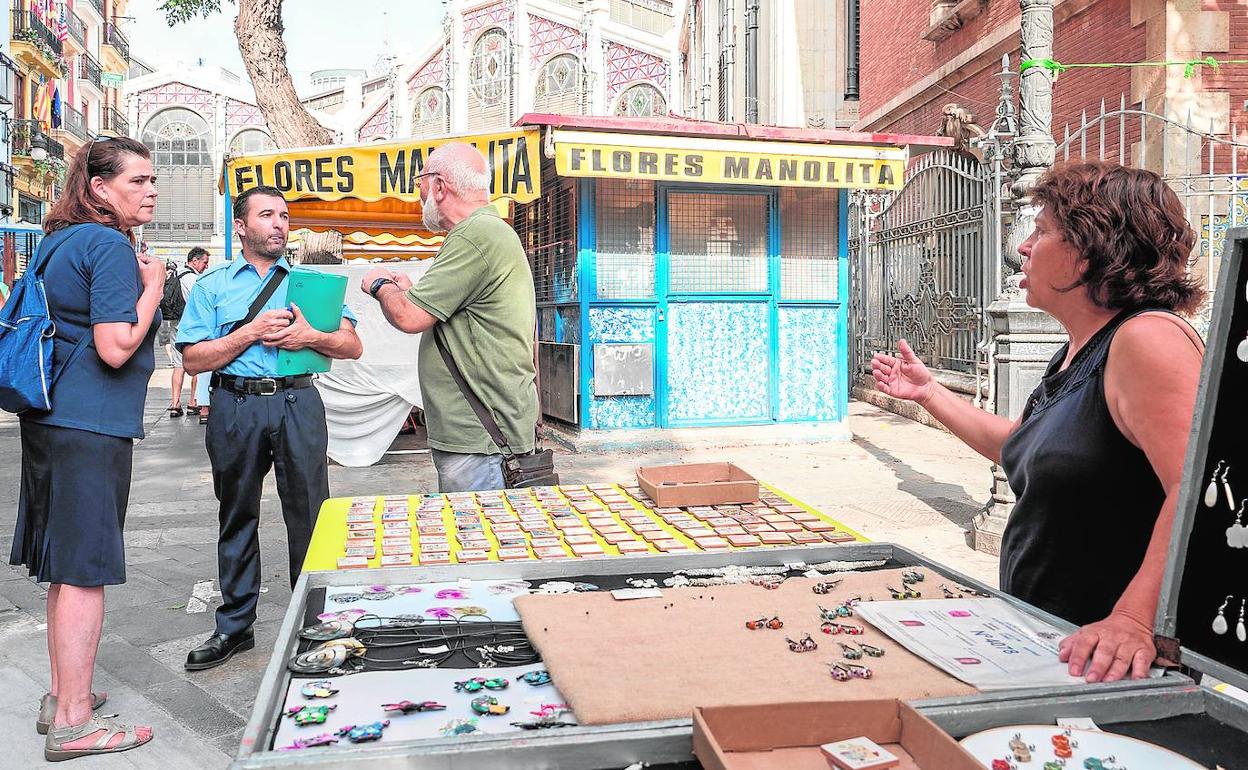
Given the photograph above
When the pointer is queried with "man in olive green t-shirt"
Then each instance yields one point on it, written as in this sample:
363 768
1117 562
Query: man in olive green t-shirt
479 294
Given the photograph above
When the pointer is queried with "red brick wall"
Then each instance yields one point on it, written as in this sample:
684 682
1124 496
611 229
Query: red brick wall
1232 78
895 57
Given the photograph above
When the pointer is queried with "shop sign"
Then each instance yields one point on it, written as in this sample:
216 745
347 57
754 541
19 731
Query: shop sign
371 172
774 164
112 79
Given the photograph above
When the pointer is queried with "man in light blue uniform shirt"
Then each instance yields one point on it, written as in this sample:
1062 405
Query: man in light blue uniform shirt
258 420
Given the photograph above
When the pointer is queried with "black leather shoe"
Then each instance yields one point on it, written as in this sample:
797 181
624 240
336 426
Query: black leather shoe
218 649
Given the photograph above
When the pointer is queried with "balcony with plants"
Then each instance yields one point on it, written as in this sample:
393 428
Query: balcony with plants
34 45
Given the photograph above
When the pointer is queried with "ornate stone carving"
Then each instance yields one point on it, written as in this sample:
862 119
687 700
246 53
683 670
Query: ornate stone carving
1035 149
958 123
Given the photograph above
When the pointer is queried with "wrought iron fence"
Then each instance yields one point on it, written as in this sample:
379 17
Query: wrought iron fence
1201 166
77 28
30 28
922 263
26 136
89 70
75 123
115 122
113 37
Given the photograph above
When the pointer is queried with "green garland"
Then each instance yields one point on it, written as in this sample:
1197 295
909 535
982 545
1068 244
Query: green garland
1190 66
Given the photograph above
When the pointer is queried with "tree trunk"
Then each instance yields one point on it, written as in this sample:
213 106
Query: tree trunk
259 32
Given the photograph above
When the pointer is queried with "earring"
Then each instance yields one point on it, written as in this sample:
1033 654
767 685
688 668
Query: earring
1241 633
1211 491
1226 487
1241 350
1219 623
850 651
1237 533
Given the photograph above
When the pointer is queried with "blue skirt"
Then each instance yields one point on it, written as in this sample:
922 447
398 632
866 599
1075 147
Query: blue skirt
72 506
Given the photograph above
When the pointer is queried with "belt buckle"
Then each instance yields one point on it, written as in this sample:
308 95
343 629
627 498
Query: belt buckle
266 386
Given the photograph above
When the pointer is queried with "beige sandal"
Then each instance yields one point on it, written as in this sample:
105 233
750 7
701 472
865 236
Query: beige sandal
47 710
106 725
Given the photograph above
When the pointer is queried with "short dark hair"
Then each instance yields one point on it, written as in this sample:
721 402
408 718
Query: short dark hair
196 252
241 202
1131 230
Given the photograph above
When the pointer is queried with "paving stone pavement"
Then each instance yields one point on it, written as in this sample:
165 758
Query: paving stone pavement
896 481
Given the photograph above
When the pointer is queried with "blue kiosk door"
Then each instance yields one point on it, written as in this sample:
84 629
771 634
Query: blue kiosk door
716 306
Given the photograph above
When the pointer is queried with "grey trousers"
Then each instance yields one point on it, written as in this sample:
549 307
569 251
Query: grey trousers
467 472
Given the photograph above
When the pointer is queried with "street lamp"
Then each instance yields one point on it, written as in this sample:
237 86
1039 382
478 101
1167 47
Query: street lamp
38 154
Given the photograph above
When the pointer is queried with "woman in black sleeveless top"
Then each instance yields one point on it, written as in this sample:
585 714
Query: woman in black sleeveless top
1096 457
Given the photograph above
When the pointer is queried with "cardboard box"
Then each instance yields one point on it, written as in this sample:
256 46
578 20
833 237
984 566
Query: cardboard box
697 484
787 736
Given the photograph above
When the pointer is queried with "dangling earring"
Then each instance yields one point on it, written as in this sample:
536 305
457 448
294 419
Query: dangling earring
1240 632
1219 623
1241 351
1237 533
1211 491
1226 487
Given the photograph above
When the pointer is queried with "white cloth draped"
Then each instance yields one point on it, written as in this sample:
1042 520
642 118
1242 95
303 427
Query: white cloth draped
366 401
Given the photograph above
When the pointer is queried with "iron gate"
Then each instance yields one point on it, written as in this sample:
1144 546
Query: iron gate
922 264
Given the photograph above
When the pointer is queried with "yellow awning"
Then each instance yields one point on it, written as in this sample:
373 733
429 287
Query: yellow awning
371 192
609 155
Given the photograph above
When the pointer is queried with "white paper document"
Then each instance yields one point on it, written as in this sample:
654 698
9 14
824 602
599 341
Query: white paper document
984 642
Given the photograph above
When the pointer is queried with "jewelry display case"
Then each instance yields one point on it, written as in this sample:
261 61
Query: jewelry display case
657 743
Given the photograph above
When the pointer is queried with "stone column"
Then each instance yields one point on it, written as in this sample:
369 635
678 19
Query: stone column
1025 339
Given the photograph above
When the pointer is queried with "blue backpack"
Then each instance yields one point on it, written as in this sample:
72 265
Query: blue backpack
26 336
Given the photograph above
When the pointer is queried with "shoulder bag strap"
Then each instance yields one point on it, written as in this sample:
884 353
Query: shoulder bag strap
269 287
483 414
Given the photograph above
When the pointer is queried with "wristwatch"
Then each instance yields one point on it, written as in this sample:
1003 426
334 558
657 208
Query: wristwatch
377 284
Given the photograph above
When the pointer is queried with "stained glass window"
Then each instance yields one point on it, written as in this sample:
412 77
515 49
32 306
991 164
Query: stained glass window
489 72
642 100
429 112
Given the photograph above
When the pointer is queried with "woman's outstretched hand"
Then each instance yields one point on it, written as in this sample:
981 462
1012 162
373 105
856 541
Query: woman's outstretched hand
902 377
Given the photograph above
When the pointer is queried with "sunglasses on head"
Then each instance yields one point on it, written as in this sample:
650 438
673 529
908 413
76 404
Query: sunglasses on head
98 138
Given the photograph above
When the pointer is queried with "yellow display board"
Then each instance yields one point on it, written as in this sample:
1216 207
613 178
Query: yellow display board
550 523
702 160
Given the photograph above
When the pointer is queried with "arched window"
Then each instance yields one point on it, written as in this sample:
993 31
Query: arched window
489 81
429 112
179 137
182 156
642 101
250 141
558 88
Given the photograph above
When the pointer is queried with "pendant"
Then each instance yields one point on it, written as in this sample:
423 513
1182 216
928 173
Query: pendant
1240 632
1241 350
1219 622
1211 495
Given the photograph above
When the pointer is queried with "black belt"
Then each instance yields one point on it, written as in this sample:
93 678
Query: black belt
259 386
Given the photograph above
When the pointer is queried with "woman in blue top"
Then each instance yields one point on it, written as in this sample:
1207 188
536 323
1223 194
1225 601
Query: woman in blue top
76 458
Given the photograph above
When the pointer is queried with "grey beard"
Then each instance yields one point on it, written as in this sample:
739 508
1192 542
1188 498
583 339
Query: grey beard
432 216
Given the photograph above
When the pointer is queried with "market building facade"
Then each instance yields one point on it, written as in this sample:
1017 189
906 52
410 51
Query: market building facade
789 63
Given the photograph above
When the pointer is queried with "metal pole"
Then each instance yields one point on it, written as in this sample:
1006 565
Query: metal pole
751 61
1035 147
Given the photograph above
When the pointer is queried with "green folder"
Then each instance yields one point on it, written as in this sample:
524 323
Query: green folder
319 297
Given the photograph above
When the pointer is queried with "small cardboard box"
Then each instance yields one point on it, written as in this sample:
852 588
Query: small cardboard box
697 484
787 736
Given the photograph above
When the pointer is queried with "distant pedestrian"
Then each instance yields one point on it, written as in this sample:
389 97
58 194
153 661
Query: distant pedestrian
76 458
177 290
235 323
